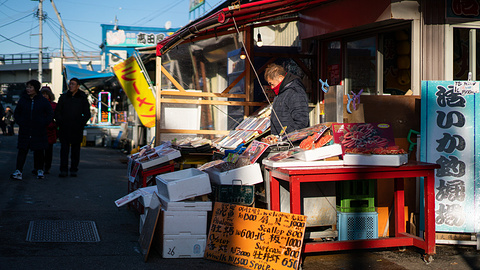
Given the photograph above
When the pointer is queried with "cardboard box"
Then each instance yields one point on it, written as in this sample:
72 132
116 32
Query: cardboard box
185 205
184 222
375 160
183 246
248 175
184 184
135 194
320 153
160 157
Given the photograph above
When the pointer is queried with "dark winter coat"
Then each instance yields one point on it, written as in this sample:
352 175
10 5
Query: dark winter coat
71 116
32 117
52 127
290 106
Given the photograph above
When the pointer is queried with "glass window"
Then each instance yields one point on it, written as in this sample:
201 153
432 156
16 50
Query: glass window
334 58
361 65
396 50
461 53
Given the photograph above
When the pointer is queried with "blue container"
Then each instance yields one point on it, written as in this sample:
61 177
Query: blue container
357 225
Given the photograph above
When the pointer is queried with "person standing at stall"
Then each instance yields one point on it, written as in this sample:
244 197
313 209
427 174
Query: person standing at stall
32 114
2 123
290 105
51 129
71 115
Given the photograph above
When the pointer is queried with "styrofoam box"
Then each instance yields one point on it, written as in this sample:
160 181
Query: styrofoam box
183 246
162 159
320 153
375 160
142 221
147 202
183 184
184 222
249 175
185 205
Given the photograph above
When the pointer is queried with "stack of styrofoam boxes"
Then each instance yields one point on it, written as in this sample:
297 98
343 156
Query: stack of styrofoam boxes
183 222
356 215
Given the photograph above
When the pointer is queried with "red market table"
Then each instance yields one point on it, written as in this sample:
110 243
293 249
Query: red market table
297 175
141 181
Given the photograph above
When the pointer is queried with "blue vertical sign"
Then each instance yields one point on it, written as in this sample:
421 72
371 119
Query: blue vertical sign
449 110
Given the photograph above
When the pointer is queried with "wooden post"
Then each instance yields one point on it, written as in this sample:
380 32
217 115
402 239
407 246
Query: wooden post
158 103
249 89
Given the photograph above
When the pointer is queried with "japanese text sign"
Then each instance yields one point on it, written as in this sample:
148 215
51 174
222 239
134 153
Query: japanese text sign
137 89
255 238
448 138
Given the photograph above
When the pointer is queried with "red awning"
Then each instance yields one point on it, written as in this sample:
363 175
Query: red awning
238 14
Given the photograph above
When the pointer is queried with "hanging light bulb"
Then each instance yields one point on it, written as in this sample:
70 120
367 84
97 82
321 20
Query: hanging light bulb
242 54
259 40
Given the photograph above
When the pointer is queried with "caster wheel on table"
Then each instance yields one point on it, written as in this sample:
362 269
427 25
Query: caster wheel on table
402 249
428 258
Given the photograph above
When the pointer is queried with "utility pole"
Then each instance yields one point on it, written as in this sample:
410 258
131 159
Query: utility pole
40 40
66 34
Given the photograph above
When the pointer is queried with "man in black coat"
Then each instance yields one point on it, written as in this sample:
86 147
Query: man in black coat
290 106
71 115
32 114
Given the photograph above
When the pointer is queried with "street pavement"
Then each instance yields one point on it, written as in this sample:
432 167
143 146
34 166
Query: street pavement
90 197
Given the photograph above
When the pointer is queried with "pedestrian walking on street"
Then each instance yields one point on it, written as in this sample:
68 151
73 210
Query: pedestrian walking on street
9 121
32 114
51 129
3 126
71 115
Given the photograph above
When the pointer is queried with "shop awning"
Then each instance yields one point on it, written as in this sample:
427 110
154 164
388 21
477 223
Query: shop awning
240 15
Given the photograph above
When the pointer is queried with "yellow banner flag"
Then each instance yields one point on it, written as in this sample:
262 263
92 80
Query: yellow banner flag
137 89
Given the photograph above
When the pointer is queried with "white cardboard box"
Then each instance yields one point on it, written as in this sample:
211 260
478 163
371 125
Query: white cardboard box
185 205
183 246
184 222
135 194
184 184
164 157
249 175
375 160
320 153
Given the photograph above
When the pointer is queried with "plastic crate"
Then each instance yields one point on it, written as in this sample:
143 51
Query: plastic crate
355 226
356 196
235 194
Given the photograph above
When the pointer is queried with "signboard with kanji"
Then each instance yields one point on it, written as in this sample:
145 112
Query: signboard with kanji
449 137
255 238
137 89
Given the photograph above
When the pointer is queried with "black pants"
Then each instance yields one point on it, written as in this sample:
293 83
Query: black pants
48 157
38 159
75 156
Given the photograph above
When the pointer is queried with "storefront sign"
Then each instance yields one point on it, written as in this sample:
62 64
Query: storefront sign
137 89
448 138
255 238
126 38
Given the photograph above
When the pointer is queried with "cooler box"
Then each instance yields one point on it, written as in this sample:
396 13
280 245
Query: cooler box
184 184
185 205
355 226
183 246
184 222
250 175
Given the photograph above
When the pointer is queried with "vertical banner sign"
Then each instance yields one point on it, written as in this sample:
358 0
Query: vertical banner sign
450 137
136 87
255 238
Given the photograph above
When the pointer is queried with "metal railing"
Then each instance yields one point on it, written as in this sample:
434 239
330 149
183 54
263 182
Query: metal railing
9 59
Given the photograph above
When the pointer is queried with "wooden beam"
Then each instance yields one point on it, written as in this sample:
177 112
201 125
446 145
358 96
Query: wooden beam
201 94
195 131
303 67
211 102
170 77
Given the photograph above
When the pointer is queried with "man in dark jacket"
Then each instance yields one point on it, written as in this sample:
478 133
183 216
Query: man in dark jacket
290 106
71 115
32 114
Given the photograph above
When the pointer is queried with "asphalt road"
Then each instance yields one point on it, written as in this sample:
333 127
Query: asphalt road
90 197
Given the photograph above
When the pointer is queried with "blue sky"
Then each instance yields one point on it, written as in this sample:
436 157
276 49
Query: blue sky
19 26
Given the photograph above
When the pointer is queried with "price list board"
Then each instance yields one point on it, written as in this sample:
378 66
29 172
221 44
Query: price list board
255 238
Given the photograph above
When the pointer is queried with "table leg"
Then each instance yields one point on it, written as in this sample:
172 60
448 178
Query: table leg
429 194
295 199
274 193
399 197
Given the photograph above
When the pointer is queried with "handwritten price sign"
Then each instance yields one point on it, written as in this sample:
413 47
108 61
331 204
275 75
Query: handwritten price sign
255 238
